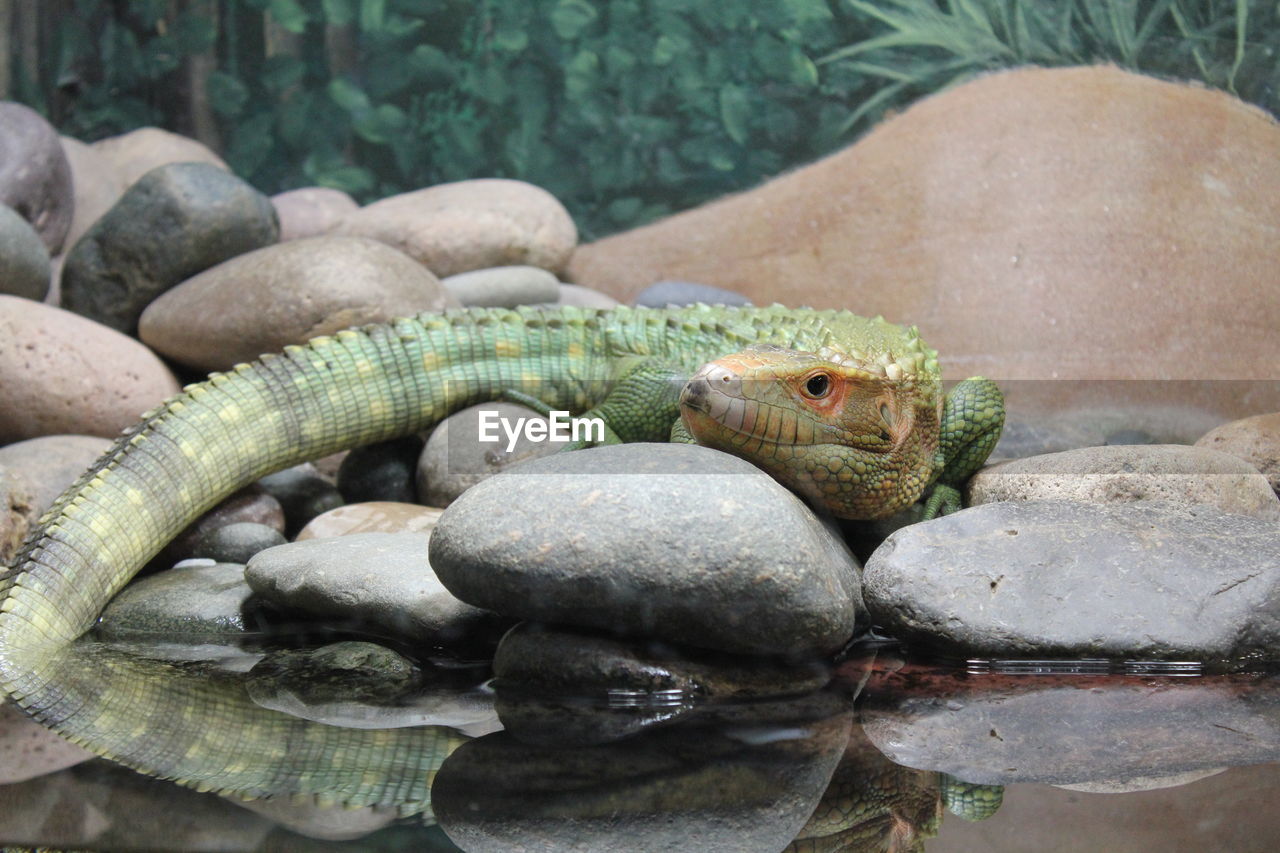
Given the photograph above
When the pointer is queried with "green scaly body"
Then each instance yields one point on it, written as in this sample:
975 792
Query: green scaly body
354 388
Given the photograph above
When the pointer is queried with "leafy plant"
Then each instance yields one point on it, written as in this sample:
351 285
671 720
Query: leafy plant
625 109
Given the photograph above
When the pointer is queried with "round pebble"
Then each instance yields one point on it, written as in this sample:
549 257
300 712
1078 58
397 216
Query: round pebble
471 225
62 373
503 287
24 261
174 222
35 177
237 542
381 472
287 294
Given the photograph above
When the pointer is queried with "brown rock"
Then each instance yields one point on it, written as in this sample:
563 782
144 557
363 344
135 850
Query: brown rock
470 225
28 749
251 504
172 223
134 154
286 294
51 463
61 373
1029 222
1120 474
35 178
17 513
584 297
311 211
1256 440
372 517
97 186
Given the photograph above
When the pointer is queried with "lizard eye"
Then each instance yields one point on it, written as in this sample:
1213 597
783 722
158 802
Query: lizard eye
817 386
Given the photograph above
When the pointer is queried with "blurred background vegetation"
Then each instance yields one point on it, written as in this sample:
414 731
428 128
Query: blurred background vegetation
625 109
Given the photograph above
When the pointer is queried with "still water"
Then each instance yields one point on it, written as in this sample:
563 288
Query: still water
1071 756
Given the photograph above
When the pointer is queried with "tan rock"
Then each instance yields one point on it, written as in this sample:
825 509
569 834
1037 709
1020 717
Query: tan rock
503 287
1256 440
134 154
372 517
51 463
1044 224
62 373
286 294
311 211
584 297
95 183
1119 474
17 513
470 225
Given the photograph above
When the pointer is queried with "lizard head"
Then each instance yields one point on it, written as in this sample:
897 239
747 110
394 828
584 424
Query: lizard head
853 434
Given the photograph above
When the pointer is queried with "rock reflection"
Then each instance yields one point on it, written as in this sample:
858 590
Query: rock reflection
1110 732
706 788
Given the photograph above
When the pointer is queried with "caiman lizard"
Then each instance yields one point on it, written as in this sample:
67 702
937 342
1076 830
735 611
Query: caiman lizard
847 411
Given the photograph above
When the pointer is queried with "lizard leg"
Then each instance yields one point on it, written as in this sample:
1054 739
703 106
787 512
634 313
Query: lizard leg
680 433
972 418
969 800
641 406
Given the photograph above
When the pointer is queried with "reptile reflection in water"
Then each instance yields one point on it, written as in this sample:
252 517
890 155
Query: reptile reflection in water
159 711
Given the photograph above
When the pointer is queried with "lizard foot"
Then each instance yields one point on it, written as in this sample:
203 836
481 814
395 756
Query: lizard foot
943 500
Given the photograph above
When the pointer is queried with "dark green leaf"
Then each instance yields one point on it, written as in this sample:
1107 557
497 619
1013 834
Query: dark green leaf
194 34
373 15
289 14
511 39
227 95
431 63
734 111
338 12
570 17
349 179
348 95
281 72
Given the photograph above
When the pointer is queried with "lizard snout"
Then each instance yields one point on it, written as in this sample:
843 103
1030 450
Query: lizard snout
711 381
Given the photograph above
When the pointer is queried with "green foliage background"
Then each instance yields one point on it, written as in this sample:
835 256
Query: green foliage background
625 109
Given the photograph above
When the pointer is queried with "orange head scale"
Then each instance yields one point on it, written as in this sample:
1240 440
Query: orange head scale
856 434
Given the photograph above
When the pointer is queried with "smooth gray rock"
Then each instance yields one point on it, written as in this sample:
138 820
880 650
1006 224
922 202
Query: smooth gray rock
503 287
35 177
24 261
666 293
685 788
454 459
385 471
676 542
51 463
1145 580
569 687
1071 730
304 493
1166 472
365 686
352 670
251 504
192 603
176 221
384 580
237 542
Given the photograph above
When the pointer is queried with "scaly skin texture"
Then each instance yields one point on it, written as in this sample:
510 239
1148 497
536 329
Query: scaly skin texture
359 387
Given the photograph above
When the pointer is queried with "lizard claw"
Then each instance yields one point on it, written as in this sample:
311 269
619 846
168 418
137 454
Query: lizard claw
943 500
